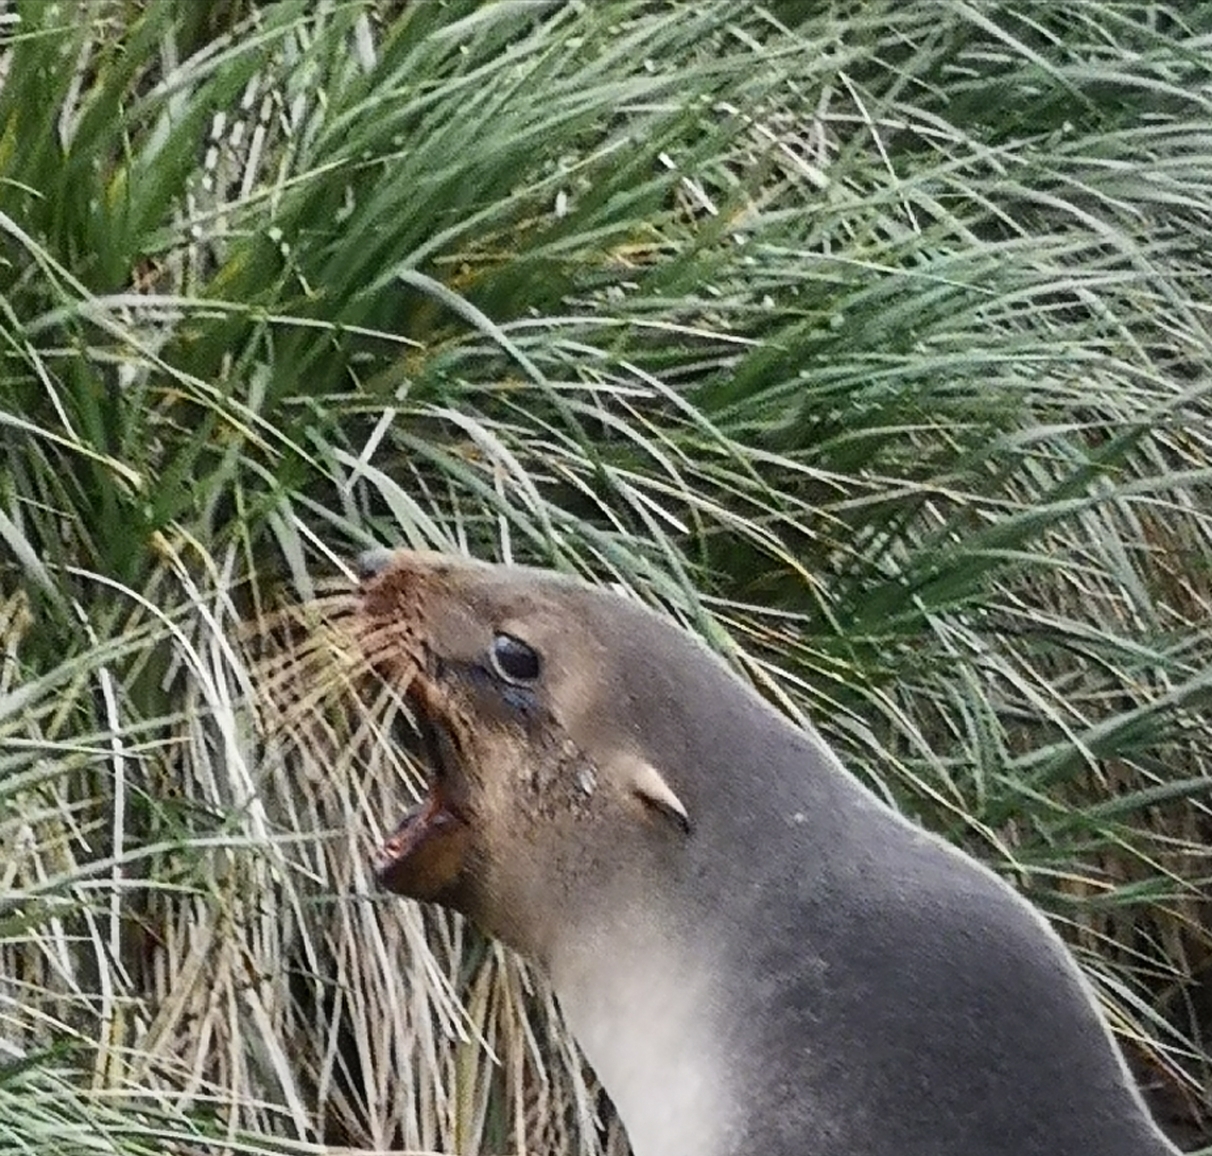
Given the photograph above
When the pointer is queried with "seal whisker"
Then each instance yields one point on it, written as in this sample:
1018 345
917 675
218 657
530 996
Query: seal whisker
302 616
314 659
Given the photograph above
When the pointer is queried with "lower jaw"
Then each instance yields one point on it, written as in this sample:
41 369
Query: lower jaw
424 856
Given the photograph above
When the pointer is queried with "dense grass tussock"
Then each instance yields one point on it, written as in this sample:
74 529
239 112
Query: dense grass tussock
870 339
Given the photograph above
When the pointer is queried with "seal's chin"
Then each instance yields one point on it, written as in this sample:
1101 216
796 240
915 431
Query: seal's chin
424 856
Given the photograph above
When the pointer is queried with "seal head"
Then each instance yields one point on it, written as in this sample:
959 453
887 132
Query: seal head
510 674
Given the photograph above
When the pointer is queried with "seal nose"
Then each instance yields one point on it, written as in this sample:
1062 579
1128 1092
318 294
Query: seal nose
372 562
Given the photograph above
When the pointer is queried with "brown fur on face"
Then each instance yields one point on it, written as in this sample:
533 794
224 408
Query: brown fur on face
505 835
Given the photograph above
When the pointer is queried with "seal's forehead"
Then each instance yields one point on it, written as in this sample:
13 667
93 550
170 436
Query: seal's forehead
499 596
536 603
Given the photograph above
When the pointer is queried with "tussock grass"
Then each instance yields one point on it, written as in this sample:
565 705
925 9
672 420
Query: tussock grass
871 340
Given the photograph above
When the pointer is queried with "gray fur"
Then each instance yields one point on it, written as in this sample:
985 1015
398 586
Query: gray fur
805 973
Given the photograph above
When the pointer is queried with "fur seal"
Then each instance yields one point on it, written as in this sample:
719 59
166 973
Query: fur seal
755 954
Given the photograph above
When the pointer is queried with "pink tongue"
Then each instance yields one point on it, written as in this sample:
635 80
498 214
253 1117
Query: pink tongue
412 829
425 852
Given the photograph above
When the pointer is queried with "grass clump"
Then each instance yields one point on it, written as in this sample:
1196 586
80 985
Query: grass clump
870 339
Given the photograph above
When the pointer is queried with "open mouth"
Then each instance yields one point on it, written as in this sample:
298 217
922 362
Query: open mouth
424 856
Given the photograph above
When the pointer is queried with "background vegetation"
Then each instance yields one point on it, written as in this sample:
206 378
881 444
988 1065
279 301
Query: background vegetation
870 338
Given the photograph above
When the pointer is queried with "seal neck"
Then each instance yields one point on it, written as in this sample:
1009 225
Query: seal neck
644 1002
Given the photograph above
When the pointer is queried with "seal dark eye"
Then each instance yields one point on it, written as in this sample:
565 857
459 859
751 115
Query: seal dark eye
513 660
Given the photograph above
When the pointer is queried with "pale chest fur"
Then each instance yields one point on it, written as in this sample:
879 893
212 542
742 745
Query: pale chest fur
647 1016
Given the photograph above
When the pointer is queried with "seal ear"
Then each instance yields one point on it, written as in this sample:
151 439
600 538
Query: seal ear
650 787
